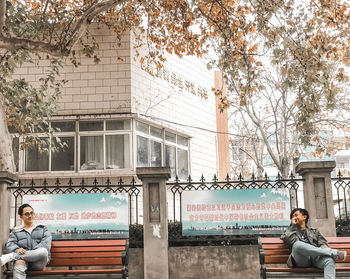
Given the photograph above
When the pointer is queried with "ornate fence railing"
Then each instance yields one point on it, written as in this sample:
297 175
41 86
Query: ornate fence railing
341 194
177 188
175 191
341 186
71 186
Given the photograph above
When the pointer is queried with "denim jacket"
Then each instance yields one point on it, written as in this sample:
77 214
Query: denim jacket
293 234
20 238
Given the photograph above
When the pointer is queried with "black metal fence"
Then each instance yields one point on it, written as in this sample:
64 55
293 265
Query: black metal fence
71 186
341 188
176 188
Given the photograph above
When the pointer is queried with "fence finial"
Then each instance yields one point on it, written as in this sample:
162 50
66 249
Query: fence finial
95 182
45 183
253 176
279 176
133 181
57 182
189 179
202 180
82 183
70 182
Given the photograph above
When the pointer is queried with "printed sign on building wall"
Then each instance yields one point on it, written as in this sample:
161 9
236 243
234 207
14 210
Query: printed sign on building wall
241 211
82 215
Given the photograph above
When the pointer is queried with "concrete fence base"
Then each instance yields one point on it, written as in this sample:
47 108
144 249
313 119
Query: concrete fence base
204 262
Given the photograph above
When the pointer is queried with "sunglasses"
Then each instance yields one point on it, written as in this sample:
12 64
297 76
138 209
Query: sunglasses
27 214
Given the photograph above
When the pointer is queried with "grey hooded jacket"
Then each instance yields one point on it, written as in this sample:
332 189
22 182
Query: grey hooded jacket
20 238
293 234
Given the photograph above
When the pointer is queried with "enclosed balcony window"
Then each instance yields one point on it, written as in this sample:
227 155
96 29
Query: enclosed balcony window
91 153
62 155
117 151
142 152
37 157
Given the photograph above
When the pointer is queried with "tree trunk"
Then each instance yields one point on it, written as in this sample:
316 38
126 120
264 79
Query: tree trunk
7 162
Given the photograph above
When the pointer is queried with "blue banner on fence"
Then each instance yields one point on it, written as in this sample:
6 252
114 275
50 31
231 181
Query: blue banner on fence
72 216
241 211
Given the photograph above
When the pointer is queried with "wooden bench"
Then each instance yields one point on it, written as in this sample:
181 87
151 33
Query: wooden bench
273 256
77 257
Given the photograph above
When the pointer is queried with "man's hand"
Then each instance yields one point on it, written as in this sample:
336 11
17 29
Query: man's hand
21 251
293 220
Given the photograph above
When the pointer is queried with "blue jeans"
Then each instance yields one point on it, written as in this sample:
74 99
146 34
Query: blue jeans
306 255
34 260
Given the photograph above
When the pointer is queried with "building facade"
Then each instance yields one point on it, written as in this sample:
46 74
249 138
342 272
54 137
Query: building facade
115 116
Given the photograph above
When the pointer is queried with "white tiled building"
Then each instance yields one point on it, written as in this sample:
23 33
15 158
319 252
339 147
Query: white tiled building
114 117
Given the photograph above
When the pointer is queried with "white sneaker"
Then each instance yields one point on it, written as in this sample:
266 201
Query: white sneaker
4 259
341 255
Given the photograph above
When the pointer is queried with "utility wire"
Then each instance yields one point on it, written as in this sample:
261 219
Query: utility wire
212 131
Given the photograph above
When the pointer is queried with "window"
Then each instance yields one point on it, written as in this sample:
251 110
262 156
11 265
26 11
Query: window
170 159
62 156
97 145
150 141
142 151
37 157
91 126
176 156
63 126
156 154
118 124
91 153
117 151
105 144
182 163
149 145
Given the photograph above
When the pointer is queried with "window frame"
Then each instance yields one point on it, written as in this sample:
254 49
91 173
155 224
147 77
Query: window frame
164 143
132 135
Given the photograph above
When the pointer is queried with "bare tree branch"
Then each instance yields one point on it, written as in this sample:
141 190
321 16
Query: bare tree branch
35 46
58 50
87 18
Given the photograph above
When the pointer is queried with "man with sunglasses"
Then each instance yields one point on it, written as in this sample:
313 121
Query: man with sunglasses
29 245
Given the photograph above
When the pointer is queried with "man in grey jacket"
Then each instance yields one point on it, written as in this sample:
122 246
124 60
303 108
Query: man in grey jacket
28 245
308 246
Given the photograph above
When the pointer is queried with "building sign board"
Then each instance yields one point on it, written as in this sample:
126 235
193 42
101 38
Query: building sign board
82 215
238 211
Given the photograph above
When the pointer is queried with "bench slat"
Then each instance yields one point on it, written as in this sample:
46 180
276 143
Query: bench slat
331 240
86 255
276 252
303 269
85 261
88 249
76 271
90 243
